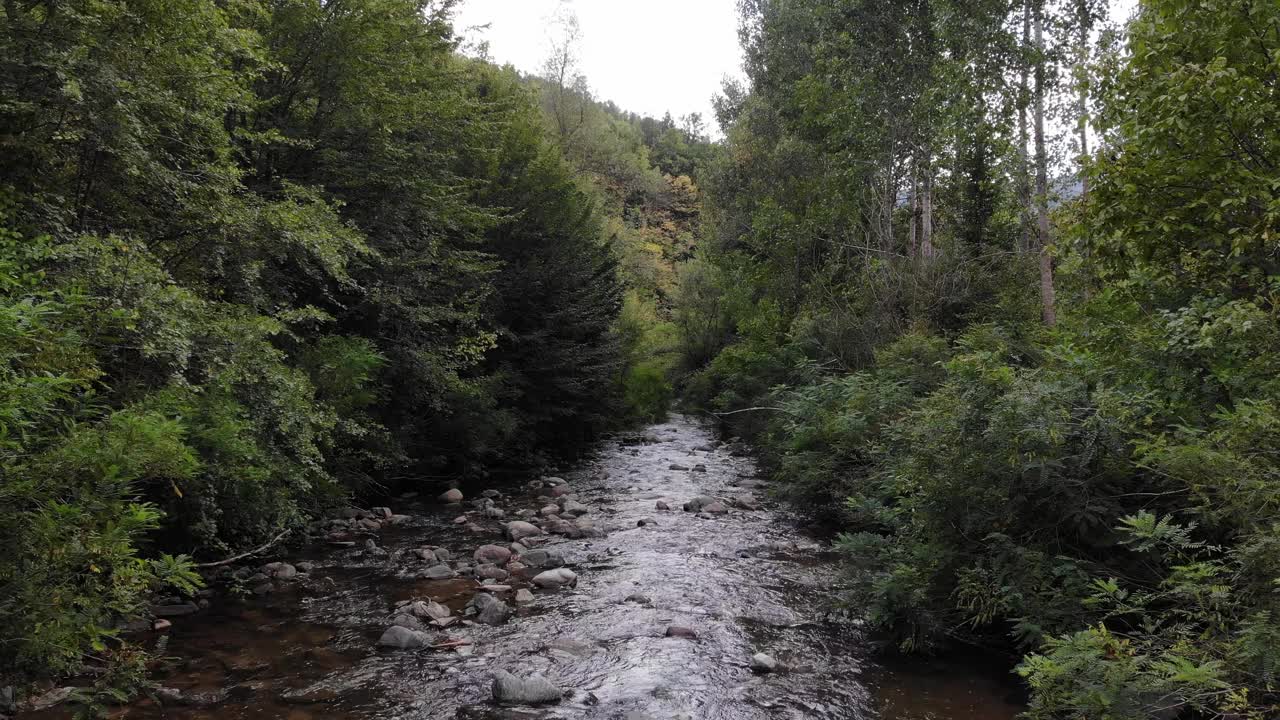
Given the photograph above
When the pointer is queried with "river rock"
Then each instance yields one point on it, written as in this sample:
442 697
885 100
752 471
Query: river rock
451 496
762 663
402 638
190 698
490 493
533 690
715 508
493 513
560 490
542 559
178 610
523 596
645 521
549 510
439 572
426 555
444 555
407 621
490 571
661 505
560 526
677 467
573 507
639 599
519 529
382 512
490 610
696 504
680 631
560 577
493 554
430 609
699 468
280 570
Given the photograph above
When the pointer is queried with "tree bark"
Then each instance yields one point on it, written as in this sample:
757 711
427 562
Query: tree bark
1048 298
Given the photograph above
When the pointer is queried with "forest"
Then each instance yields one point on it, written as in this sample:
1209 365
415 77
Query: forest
990 287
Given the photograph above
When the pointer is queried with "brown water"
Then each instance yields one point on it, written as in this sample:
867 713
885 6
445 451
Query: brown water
747 582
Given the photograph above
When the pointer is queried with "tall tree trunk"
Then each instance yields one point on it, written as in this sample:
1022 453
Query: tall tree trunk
1047 292
926 214
913 207
1024 136
1085 23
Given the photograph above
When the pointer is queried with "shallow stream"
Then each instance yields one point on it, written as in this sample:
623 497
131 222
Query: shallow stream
745 582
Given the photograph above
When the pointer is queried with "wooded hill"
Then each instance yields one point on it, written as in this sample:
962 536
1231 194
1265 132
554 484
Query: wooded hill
259 257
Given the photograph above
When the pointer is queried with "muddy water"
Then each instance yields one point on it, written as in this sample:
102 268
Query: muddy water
746 582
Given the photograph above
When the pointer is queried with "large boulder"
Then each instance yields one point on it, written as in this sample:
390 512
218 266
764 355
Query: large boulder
533 690
451 496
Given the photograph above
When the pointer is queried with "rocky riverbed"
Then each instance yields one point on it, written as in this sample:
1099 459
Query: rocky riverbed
655 581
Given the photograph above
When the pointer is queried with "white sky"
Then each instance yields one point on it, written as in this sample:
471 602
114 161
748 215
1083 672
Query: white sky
648 57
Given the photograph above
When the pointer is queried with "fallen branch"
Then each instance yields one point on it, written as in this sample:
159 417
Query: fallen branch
735 412
244 555
450 644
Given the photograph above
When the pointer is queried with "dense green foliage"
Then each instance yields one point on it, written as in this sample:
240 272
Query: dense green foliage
1100 493
256 256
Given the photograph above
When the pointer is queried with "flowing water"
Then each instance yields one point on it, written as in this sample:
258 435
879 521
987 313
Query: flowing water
746 582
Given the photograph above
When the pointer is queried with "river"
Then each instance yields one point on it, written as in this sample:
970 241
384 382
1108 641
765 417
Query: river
746 582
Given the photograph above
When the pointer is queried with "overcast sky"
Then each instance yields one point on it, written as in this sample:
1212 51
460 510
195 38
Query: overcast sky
649 57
